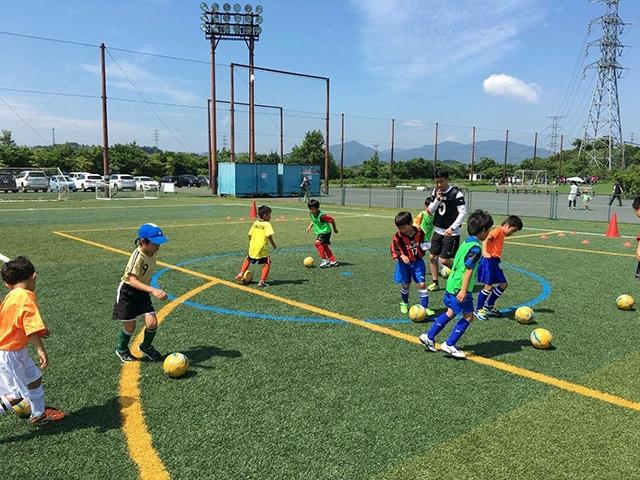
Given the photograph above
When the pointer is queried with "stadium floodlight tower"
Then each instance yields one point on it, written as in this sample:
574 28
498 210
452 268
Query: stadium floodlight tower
602 139
230 23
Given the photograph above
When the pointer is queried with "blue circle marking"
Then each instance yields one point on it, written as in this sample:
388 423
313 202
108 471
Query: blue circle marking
546 291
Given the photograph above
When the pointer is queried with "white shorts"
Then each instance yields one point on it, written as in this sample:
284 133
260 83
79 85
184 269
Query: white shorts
17 370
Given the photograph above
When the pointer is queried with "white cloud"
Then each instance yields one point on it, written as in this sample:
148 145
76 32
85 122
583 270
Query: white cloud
408 41
413 123
501 85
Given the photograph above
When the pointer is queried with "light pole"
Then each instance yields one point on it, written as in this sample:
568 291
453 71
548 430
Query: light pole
231 24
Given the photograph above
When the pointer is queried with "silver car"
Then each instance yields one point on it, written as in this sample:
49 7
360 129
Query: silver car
122 181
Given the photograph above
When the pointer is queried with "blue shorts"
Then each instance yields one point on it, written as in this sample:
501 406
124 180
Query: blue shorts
489 271
404 273
452 302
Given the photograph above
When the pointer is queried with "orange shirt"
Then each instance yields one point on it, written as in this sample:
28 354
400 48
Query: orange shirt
19 318
494 243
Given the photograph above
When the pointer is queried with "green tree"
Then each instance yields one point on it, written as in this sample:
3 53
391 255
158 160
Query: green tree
311 152
371 168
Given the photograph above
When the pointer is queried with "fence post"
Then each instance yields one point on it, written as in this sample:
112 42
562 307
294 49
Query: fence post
369 197
343 191
508 196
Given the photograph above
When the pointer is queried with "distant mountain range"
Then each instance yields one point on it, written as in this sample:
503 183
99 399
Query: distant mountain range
355 153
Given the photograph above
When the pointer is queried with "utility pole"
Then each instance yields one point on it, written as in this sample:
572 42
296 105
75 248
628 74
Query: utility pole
156 138
53 137
553 138
602 140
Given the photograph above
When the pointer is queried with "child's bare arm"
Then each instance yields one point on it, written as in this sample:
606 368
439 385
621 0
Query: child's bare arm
273 244
138 285
309 227
42 354
333 224
465 284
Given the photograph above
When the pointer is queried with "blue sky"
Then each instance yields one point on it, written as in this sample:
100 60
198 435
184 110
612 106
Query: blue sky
492 64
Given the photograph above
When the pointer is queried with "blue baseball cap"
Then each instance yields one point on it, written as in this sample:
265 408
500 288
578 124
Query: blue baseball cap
153 233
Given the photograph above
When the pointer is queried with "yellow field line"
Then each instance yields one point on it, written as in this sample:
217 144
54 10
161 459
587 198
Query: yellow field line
536 234
141 440
571 249
135 430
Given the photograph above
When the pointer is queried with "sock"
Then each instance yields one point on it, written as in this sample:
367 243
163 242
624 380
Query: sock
245 266
423 295
123 340
5 404
438 325
482 298
36 399
320 249
329 253
404 294
457 332
495 295
149 335
265 272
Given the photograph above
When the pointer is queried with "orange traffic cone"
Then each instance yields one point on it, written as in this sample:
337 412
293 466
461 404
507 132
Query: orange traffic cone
613 227
254 210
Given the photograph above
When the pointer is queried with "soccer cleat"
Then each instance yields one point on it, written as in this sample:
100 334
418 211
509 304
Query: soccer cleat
151 353
433 287
125 355
333 264
49 415
262 284
430 312
404 307
324 263
429 344
492 311
240 277
481 314
452 350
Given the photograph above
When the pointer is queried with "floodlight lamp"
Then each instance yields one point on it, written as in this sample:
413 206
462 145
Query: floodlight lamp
204 7
226 7
215 7
226 29
257 30
259 20
226 17
237 17
237 7
216 29
203 17
247 18
236 29
203 27
247 8
259 9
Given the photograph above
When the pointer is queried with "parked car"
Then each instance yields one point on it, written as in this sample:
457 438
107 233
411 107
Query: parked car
61 183
204 180
122 181
32 180
176 180
192 180
146 183
7 183
86 181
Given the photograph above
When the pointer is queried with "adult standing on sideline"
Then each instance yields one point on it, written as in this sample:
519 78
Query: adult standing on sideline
617 193
449 210
305 186
573 193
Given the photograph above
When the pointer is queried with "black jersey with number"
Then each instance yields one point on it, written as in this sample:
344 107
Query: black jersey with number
447 211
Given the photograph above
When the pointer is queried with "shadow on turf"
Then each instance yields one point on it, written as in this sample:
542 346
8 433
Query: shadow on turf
497 347
100 417
197 355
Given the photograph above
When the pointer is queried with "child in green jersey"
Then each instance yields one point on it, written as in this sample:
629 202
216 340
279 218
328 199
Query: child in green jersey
322 224
424 221
458 297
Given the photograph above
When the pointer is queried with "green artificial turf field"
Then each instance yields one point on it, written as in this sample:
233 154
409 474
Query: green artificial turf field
319 376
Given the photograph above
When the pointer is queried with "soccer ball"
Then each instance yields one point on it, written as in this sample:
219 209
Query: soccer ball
625 302
524 315
541 338
445 271
417 313
23 409
248 276
176 364
308 262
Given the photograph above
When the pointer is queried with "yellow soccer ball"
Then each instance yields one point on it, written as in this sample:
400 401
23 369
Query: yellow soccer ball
625 302
524 315
23 409
417 313
308 262
445 271
176 364
248 276
541 338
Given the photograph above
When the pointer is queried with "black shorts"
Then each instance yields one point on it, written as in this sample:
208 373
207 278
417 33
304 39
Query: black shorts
259 261
131 303
324 238
444 247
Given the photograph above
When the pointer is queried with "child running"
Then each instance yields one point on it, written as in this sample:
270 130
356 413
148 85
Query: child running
322 223
21 323
489 271
458 297
408 247
260 236
133 298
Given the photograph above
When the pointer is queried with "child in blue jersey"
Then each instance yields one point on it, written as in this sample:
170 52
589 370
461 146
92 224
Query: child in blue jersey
458 297
408 247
